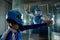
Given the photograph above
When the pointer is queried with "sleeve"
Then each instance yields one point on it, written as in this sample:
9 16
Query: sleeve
4 35
26 27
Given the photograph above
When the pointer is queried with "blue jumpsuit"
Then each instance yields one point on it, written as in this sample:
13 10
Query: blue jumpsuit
40 30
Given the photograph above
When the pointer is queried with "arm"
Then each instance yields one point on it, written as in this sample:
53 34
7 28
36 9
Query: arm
26 27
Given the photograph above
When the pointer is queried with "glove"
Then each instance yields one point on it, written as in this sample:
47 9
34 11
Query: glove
49 22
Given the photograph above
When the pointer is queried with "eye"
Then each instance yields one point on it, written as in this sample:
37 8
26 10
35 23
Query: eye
18 16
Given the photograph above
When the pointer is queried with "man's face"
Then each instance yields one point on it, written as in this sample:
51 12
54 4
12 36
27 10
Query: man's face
37 12
15 26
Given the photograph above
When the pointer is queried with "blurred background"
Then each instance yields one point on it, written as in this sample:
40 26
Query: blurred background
50 9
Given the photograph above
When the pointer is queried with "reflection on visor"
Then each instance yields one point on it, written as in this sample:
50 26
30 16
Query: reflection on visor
18 16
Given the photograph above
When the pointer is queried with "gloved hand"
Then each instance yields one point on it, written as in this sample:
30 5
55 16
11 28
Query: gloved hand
49 22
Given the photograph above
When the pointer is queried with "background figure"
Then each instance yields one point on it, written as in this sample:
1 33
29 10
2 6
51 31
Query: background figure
40 33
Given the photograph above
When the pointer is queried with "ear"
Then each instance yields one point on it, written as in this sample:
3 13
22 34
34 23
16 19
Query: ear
10 24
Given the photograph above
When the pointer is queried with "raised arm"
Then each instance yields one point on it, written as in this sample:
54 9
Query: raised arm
26 27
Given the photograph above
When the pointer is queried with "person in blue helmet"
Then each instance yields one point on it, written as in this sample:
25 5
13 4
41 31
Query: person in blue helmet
15 23
40 32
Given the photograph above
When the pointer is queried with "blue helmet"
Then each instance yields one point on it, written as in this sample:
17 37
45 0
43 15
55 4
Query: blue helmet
38 9
14 16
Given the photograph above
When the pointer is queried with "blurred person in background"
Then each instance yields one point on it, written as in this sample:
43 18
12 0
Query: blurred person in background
40 33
